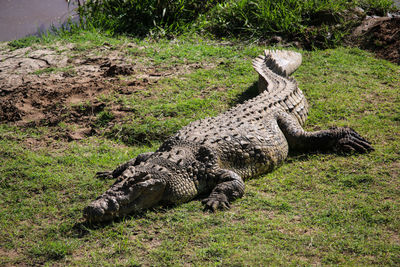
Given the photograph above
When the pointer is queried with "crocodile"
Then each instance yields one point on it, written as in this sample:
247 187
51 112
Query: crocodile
210 159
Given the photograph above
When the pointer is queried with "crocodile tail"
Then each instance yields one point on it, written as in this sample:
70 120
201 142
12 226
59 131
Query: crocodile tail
278 62
288 61
274 68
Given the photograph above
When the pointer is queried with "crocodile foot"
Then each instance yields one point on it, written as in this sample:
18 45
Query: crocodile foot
350 141
216 202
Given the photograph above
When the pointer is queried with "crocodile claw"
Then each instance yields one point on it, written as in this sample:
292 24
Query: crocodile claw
104 175
216 203
351 141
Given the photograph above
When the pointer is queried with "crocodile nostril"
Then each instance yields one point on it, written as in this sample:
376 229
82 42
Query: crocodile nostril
143 178
112 205
93 212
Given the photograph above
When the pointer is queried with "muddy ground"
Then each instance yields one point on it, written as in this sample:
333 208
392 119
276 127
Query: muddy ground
45 87
55 87
62 88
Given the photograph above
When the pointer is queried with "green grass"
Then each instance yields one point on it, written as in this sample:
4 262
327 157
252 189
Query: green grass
54 70
24 42
312 22
315 209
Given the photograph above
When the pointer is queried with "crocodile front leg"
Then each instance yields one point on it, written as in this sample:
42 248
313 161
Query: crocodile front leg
339 139
121 168
230 187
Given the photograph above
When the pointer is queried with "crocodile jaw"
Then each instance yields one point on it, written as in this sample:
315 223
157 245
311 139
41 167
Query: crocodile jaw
125 197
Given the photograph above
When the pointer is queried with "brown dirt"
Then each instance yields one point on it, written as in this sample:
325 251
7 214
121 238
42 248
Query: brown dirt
7 256
380 36
43 87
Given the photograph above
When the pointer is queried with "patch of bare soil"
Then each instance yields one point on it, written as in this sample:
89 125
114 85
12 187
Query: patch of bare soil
380 35
44 87
9 256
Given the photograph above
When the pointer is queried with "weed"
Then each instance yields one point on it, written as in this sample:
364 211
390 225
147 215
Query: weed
24 42
67 70
230 18
104 117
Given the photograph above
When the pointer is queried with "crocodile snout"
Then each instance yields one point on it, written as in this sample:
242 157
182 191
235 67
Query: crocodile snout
132 194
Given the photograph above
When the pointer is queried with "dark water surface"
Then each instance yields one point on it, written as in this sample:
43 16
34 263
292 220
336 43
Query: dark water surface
19 18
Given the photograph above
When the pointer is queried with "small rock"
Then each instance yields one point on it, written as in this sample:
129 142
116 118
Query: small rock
359 9
276 39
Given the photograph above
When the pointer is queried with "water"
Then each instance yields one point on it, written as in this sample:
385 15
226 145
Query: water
19 18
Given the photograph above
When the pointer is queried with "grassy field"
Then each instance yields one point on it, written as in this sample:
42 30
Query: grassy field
314 210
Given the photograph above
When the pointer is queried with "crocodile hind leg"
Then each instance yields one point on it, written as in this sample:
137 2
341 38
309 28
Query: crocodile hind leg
230 187
121 168
339 139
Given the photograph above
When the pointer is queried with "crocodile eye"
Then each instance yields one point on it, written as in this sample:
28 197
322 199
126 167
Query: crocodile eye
129 172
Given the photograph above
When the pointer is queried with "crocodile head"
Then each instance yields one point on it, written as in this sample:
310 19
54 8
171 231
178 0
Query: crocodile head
134 191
